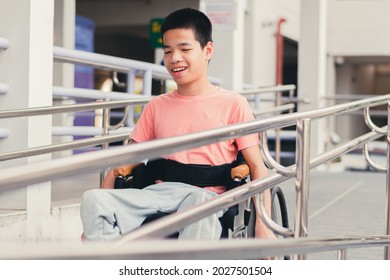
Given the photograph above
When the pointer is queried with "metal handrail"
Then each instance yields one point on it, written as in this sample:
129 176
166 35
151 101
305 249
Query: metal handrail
94 94
270 161
130 67
39 172
117 64
370 123
132 100
176 221
64 146
189 249
349 97
273 89
37 111
107 62
278 102
152 149
277 109
86 131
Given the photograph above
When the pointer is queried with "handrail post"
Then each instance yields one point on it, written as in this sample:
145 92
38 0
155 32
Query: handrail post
302 178
342 254
147 83
257 102
387 214
131 76
278 102
291 96
105 126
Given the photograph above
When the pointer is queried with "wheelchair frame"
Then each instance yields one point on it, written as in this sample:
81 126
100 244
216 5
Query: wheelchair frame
238 221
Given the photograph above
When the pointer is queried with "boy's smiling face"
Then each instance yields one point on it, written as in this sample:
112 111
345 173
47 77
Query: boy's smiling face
184 57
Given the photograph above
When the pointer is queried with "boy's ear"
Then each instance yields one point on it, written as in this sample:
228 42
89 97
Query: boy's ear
209 49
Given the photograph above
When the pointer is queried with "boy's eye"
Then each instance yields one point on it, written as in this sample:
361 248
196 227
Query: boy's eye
167 52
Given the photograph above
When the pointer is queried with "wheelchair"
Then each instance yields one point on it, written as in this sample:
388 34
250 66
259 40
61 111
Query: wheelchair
238 221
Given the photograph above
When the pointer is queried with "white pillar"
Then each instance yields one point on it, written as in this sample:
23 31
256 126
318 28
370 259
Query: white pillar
260 46
27 67
312 65
63 73
64 36
227 62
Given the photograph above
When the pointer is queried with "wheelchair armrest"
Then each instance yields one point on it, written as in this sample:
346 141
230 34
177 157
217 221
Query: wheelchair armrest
240 172
125 170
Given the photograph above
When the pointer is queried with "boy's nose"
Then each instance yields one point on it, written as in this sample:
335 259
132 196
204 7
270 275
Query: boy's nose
176 57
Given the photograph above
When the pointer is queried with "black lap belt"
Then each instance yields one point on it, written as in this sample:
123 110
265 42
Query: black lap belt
173 171
195 174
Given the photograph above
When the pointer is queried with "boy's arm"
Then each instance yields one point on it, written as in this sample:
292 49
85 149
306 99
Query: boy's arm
258 169
109 180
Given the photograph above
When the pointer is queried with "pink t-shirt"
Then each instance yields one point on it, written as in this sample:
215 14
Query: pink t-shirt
172 114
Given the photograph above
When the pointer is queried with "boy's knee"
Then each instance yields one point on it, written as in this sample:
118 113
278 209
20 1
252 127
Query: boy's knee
91 199
198 196
90 195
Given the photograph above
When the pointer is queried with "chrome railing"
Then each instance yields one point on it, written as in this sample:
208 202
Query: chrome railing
132 68
117 100
122 65
83 143
39 172
29 112
148 71
92 94
280 103
190 249
38 111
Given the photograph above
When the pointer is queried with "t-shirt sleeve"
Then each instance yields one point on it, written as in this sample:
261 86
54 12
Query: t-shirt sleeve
243 113
144 129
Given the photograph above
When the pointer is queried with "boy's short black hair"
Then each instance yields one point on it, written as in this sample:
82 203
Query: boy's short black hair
188 18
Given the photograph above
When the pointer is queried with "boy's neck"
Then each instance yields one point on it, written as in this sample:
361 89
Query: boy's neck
199 89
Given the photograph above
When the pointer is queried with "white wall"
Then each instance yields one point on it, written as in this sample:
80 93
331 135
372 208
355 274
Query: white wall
27 66
358 33
260 37
63 73
359 27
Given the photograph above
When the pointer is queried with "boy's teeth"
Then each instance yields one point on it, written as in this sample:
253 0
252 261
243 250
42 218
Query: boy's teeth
178 69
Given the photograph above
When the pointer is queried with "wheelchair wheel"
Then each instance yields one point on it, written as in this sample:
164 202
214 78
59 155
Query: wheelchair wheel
279 207
279 210
279 213
252 221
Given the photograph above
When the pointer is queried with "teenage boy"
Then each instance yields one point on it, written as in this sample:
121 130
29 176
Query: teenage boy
194 106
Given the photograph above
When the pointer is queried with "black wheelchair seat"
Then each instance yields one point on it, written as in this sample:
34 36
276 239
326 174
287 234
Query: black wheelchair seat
141 175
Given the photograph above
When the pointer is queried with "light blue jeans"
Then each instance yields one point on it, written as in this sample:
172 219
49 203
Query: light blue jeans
107 214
